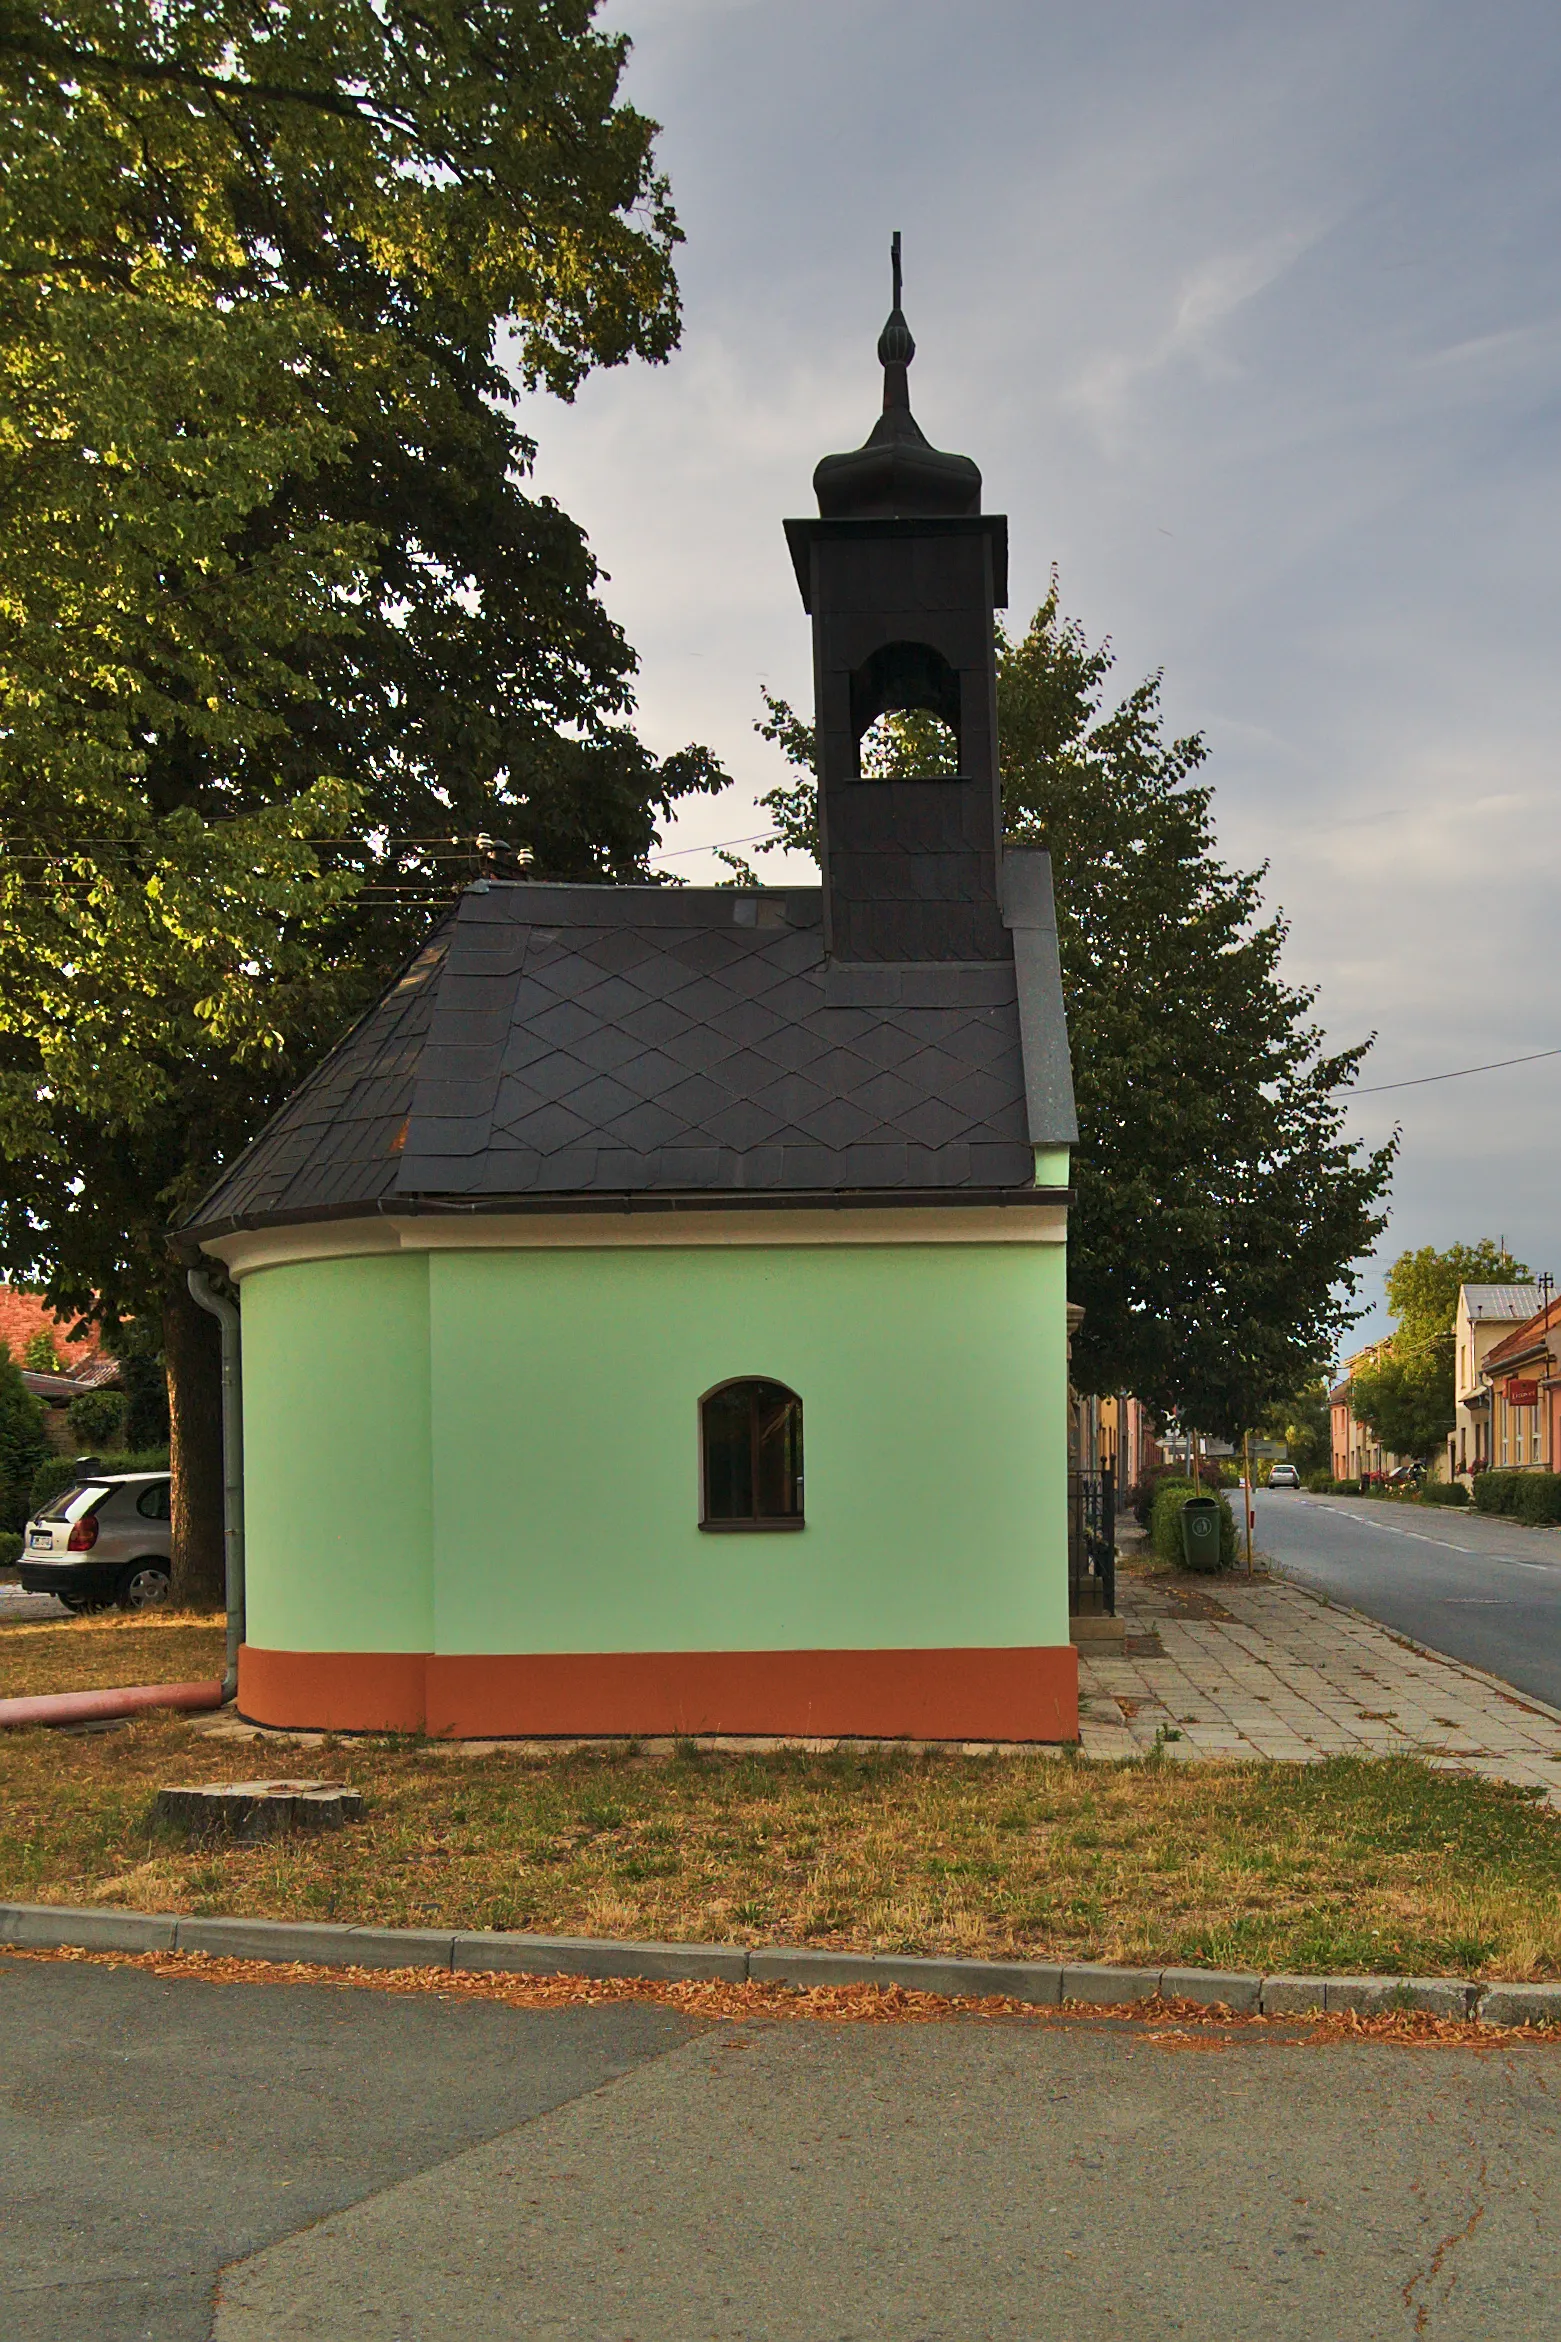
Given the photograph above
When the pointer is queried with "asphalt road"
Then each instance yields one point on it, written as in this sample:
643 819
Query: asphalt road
17 1606
360 2165
1478 1589
153 2129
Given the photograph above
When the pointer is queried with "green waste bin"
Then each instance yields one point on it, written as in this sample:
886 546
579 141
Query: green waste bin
1201 1532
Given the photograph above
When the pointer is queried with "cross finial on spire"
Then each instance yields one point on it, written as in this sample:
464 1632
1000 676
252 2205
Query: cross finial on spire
895 346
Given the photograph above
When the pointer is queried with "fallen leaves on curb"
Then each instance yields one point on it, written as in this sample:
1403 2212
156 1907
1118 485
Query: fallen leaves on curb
1193 2026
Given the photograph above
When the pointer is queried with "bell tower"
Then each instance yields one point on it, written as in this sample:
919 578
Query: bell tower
901 574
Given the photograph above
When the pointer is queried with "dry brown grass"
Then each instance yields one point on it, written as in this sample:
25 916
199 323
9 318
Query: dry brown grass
1355 1864
113 1647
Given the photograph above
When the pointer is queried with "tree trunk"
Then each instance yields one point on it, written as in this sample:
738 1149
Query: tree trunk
192 1348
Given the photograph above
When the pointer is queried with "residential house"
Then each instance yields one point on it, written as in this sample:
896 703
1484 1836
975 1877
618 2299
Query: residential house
1522 1389
83 1365
720 1183
1486 1315
1357 1452
24 1315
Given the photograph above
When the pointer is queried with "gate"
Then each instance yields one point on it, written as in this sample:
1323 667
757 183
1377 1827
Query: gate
1092 1544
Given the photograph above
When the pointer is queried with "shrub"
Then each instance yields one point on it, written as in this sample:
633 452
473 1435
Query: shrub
1165 1528
62 1472
98 1417
1496 1492
1445 1492
1537 1499
1346 1488
1139 1499
23 1443
1322 1483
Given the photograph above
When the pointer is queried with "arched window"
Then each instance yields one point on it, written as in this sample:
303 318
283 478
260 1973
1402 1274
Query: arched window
908 680
751 1456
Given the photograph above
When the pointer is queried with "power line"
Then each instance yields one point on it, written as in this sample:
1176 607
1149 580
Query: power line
1419 1081
762 837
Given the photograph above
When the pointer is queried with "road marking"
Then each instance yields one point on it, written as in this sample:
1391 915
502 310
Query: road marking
1391 1529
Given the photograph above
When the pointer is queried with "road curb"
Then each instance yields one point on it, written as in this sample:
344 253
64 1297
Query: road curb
1040 1983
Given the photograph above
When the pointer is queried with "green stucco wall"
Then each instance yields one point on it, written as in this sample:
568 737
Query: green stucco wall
338 1506
497 1451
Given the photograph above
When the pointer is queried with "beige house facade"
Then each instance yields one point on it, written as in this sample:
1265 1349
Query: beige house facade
1485 1430
1522 1377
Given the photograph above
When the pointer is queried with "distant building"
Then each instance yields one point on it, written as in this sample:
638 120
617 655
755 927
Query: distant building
1522 1391
1358 1454
1485 1317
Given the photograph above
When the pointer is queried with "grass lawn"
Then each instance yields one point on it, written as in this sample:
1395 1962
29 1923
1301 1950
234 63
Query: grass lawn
114 1647
1350 1865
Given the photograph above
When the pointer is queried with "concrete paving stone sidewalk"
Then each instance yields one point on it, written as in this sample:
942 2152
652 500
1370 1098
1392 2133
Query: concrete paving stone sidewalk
1243 1669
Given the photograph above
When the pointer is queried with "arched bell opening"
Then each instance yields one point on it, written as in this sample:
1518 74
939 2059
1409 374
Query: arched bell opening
905 715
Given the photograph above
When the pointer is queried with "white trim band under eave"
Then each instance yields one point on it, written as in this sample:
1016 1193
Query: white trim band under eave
268 1248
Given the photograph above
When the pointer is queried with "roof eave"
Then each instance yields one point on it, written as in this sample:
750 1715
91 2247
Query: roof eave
578 1203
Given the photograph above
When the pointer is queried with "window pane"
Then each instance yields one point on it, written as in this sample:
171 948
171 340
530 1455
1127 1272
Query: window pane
728 1455
73 1502
778 1439
753 1453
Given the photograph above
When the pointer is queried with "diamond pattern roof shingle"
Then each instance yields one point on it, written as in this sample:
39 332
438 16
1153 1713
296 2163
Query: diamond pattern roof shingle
568 1041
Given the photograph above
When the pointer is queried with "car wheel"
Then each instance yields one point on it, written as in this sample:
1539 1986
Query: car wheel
143 1586
78 1604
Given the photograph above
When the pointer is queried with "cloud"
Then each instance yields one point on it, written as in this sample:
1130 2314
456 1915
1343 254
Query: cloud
1251 318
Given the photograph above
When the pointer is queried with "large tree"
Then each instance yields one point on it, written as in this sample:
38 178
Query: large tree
283 632
1219 1206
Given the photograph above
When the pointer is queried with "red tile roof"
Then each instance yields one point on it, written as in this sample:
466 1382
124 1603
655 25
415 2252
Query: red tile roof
23 1314
1524 1337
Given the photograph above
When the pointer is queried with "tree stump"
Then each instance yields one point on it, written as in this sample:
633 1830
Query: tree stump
251 1810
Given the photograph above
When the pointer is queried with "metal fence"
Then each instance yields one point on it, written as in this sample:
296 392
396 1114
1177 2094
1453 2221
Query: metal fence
1092 1544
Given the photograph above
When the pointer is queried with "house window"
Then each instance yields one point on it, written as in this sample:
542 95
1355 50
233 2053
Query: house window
751 1456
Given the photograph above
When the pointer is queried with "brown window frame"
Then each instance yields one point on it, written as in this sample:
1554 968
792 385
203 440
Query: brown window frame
759 1524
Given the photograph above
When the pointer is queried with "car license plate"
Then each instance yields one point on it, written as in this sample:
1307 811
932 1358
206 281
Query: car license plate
41 1537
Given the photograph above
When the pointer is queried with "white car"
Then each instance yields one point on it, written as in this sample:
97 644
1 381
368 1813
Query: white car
105 1539
1284 1476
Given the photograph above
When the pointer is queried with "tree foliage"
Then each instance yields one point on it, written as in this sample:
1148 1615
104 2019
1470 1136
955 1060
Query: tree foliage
1219 1207
1406 1403
1304 1421
22 1442
283 631
1422 1290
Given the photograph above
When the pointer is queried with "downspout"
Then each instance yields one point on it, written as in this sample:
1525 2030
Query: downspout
203 1291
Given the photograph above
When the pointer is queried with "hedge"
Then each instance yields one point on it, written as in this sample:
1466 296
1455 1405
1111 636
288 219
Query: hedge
1494 1492
1445 1492
1537 1499
1533 1497
62 1472
1165 1527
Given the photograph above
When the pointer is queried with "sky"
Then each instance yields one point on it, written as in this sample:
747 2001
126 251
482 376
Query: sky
1251 317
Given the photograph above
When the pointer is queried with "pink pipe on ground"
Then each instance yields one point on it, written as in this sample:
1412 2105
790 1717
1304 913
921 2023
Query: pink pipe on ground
84 1707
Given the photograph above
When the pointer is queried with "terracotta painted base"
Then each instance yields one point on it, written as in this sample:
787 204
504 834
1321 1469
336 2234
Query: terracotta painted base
891 1695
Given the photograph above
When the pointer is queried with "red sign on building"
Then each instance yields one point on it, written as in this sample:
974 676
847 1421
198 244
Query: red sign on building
1521 1394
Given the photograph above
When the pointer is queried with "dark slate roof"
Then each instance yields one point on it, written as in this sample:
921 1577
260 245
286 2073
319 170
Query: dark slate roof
571 1042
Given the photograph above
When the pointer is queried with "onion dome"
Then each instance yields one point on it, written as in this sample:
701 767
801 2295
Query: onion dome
896 474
